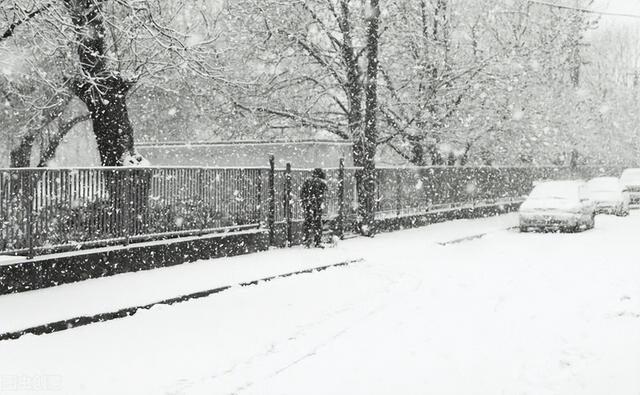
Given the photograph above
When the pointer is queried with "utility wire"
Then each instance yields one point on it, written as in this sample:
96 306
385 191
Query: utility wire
587 11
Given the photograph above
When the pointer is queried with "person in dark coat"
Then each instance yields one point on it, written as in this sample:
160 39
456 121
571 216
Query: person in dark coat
312 195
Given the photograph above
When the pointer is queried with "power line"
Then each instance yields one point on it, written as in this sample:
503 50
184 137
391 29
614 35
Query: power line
585 10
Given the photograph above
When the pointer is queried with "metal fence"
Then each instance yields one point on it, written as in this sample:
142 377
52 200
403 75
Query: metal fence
57 209
332 198
45 210
407 191
414 190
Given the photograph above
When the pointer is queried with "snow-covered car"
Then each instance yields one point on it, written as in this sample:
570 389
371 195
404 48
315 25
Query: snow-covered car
558 206
630 180
608 195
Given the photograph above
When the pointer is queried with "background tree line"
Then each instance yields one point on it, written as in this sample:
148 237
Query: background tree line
408 81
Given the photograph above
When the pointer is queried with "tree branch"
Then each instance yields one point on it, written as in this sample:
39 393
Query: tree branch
48 153
304 121
11 29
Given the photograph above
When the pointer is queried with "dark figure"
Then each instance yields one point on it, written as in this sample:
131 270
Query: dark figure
312 196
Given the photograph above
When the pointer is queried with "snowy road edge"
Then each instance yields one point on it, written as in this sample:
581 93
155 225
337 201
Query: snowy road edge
75 322
474 237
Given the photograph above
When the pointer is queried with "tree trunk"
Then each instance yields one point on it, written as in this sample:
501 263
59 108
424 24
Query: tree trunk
436 157
110 118
451 159
103 91
417 154
441 33
21 155
354 85
366 144
464 159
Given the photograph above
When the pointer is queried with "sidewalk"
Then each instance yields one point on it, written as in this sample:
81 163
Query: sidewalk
28 309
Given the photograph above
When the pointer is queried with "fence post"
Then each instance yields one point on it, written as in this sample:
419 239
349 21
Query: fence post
260 207
126 210
425 179
287 203
201 202
29 206
271 215
398 193
341 199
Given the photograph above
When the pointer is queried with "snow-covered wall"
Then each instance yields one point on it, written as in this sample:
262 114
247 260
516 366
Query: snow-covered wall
301 154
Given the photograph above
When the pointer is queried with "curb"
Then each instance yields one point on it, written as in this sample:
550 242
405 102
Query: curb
71 323
473 237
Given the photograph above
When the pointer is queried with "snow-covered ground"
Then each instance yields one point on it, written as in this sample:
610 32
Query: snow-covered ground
21 311
507 313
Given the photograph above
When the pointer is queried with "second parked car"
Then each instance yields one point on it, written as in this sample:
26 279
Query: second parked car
630 180
558 206
608 195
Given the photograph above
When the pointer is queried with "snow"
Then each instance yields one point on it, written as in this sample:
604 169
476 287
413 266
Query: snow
606 190
10 259
33 308
218 232
507 313
555 195
556 189
630 177
605 184
134 160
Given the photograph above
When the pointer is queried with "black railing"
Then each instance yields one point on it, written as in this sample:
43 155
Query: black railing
58 209
407 191
48 210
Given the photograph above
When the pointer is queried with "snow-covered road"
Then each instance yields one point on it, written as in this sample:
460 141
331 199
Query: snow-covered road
507 313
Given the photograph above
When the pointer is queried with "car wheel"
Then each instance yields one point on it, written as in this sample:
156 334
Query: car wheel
524 229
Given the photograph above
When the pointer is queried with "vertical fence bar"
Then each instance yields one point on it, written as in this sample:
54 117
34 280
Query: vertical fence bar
201 202
260 213
398 192
37 204
134 199
341 213
287 203
4 215
127 206
29 208
271 215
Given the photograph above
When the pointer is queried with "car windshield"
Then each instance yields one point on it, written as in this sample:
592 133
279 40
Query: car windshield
553 190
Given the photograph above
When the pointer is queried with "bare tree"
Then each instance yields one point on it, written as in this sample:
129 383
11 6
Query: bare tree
102 49
316 65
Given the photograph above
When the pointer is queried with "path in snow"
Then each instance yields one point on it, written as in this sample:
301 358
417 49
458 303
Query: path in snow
28 309
509 313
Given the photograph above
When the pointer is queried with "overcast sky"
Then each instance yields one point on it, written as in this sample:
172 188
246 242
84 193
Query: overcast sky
618 6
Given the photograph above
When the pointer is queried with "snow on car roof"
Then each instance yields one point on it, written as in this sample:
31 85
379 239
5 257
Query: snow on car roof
552 189
631 171
630 174
604 183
